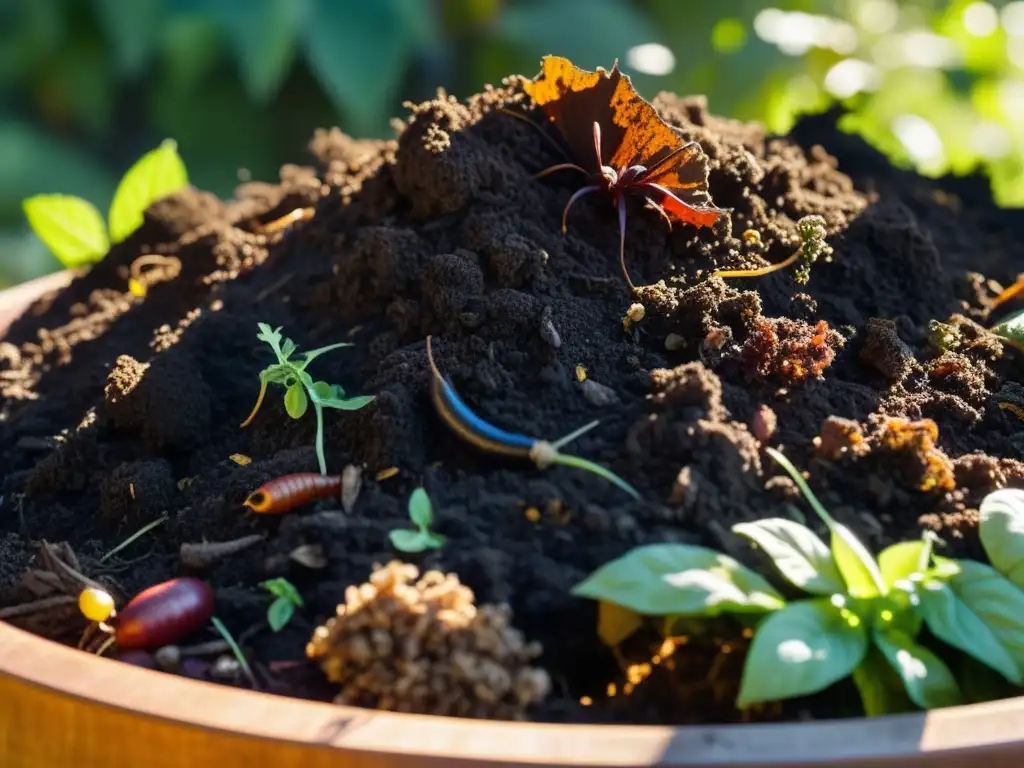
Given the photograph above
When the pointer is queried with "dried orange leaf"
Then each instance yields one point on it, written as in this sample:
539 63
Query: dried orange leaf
385 474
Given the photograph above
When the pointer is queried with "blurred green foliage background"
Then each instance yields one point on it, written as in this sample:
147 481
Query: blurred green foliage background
87 86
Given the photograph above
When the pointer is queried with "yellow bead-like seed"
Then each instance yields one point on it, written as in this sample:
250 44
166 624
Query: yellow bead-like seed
95 604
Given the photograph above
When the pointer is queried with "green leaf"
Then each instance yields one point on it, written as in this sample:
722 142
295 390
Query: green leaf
421 511
801 649
679 579
155 175
284 589
1002 532
926 677
409 541
313 354
797 552
858 568
900 561
359 52
1012 329
262 34
881 690
348 404
287 348
982 614
434 540
295 400
280 613
71 228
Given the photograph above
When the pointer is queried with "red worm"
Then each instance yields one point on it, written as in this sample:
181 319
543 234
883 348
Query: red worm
287 492
164 614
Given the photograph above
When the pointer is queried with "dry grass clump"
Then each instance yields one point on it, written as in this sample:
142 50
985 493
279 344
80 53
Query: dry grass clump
408 645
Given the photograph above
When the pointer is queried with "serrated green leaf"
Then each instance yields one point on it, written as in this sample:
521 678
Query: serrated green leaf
902 560
262 34
801 649
72 228
982 614
408 541
348 404
797 552
421 511
280 613
295 400
313 354
927 679
155 175
359 53
679 579
1002 532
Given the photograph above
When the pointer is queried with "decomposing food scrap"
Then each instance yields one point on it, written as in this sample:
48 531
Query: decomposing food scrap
410 644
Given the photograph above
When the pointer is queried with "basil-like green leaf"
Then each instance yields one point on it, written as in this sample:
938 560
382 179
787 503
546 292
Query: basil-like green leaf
70 227
1002 532
679 579
155 175
801 649
881 690
295 400
902 560
280 613
927 679
421 511
797 552
982 614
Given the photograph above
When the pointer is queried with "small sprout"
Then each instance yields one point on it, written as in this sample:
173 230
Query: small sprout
241 459
421 512
944 337
299 386
283 608
96 604
1011 330
812 231
387 473
235 650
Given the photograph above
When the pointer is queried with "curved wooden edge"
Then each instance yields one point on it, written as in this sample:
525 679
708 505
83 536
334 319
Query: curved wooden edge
63 707
60 706
14 301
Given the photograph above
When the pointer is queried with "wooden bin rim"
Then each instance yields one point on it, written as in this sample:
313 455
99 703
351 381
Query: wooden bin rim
102 708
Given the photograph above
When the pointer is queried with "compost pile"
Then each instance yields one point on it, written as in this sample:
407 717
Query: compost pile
118 408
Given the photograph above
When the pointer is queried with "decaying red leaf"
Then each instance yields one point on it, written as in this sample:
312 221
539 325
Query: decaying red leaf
600 115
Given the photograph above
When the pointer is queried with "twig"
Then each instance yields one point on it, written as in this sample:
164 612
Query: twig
46 603
206 553
134 537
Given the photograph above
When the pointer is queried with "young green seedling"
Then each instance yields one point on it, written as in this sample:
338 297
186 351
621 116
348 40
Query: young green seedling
300 389
74 230
287 599
421 512
812 231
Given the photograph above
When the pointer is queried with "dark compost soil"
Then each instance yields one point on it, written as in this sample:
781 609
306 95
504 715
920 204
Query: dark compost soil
117 408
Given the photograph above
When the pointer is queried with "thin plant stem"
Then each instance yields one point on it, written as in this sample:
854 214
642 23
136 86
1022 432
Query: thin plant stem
576 196
319 434
134 537
560 167
235 650
805 489
762 270
576 462
622 242
1014 290
259 402
563 441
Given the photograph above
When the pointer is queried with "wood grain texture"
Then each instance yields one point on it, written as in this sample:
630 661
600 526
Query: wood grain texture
63 708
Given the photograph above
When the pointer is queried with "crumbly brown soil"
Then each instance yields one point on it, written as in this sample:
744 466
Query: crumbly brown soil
116 409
